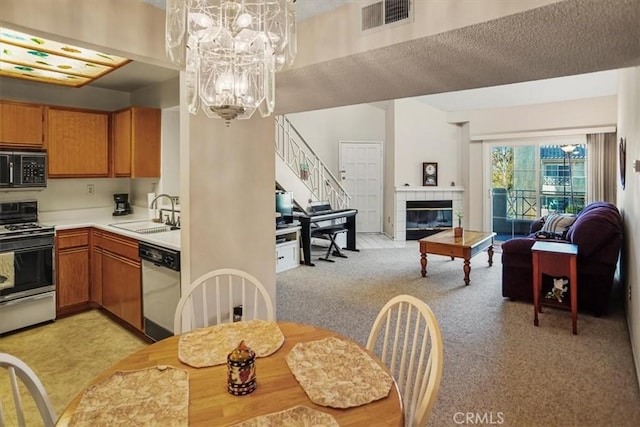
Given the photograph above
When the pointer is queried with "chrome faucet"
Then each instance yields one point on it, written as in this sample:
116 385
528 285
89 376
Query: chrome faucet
154 204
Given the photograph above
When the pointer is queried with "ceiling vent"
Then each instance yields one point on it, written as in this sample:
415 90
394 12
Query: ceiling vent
386 12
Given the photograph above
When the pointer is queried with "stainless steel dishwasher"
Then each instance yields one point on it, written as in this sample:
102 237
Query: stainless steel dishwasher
160 289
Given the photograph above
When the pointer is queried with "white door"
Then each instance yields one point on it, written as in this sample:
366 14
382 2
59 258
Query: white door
361 175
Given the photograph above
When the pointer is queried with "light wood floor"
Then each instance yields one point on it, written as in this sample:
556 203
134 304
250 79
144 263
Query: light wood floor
379 241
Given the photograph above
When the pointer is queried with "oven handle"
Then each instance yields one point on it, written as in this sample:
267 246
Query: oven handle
31 298
30 249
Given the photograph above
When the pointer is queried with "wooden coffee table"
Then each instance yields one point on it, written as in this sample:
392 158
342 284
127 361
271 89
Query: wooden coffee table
467 246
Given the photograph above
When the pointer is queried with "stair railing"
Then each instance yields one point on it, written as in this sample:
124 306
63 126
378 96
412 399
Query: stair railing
307 165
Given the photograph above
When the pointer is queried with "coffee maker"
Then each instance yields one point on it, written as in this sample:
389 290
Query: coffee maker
122 204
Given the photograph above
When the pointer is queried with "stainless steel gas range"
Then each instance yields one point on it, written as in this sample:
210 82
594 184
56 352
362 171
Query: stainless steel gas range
27 273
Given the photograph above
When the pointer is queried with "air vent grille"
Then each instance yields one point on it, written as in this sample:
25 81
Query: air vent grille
372 16
395 10
386 12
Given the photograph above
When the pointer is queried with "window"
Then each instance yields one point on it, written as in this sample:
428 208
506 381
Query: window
531 179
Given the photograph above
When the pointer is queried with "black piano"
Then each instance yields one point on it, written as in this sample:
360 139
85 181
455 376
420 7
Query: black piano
322 211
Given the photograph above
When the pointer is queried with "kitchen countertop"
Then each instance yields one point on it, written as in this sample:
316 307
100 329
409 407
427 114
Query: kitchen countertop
101 218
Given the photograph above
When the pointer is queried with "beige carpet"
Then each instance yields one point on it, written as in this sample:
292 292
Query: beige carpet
66 355
499 369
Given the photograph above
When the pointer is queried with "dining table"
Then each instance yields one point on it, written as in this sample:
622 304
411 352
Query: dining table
210 404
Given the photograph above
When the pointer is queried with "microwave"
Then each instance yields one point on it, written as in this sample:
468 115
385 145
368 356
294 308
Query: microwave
23 170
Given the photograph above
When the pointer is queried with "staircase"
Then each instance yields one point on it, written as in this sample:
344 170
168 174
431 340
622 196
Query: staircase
300 170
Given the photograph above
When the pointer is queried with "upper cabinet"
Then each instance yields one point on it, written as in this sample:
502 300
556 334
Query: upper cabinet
136 142
78 143
21 124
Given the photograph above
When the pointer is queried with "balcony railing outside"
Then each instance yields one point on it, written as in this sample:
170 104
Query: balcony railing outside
521 204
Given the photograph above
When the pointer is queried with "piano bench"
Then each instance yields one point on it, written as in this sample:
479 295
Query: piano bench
330 233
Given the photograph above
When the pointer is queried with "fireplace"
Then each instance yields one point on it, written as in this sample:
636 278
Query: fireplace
427 217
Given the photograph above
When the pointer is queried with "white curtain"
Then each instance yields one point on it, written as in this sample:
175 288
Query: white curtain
601 167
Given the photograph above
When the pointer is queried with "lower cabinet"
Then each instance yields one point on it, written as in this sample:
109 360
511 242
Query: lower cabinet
100 269
121 278
72 269
95 287
287 248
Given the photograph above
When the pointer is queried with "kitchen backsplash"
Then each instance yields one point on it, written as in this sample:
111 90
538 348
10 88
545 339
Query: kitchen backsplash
68 194
64 194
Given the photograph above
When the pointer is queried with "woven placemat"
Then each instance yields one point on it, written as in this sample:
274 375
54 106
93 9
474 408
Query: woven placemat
157 396
338 373
210 346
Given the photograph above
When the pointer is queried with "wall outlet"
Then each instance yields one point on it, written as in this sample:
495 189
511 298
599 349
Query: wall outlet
629 287
91 189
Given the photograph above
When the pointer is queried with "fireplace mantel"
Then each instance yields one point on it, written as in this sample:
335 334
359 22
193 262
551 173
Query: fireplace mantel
430 189
410 193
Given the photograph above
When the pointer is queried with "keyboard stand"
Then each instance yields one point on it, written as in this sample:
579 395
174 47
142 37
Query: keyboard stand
330 233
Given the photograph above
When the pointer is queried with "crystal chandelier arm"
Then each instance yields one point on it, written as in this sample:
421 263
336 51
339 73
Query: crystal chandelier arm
231 50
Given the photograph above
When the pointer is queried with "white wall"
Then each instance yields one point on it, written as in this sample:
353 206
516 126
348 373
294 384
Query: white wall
579 113
229 207
88 97
422 134
170 168
324 129
126 28
629 201
389 204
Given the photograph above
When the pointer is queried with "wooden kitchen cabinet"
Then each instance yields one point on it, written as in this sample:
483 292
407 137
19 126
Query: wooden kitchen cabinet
95 284
121 278
136 142
77 143
72 269
21 125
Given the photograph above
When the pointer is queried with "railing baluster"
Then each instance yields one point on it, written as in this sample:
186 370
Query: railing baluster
295 151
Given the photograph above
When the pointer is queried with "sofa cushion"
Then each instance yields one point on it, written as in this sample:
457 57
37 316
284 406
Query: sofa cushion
598 226
558 224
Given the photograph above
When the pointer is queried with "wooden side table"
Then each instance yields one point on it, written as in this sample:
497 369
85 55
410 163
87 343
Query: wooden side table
555 259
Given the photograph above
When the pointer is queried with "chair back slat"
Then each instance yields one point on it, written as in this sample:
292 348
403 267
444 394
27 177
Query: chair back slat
220 291
407 338
18 370
17 401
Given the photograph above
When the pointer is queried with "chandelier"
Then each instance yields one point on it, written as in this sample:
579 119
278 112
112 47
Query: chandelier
230 51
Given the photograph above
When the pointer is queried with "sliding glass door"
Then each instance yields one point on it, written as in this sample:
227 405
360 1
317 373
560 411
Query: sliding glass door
534 178
514 195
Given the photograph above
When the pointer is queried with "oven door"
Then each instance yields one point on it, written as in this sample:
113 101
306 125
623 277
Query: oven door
6 170
33 266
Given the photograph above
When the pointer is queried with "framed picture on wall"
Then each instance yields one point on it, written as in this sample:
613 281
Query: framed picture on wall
430 174
622 158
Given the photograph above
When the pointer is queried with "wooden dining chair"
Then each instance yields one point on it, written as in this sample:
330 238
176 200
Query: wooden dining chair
406 337
222 296
18 370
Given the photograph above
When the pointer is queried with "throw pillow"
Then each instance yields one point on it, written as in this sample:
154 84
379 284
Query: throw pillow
558 224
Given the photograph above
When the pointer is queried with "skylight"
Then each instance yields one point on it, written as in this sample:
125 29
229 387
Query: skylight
24 56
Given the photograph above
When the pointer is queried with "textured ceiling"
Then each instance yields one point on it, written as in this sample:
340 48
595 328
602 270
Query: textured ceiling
566 38
562 39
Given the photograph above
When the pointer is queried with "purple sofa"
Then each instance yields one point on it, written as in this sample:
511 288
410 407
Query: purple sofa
597 231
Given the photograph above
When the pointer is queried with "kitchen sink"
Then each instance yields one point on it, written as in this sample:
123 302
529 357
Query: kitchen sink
144 226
